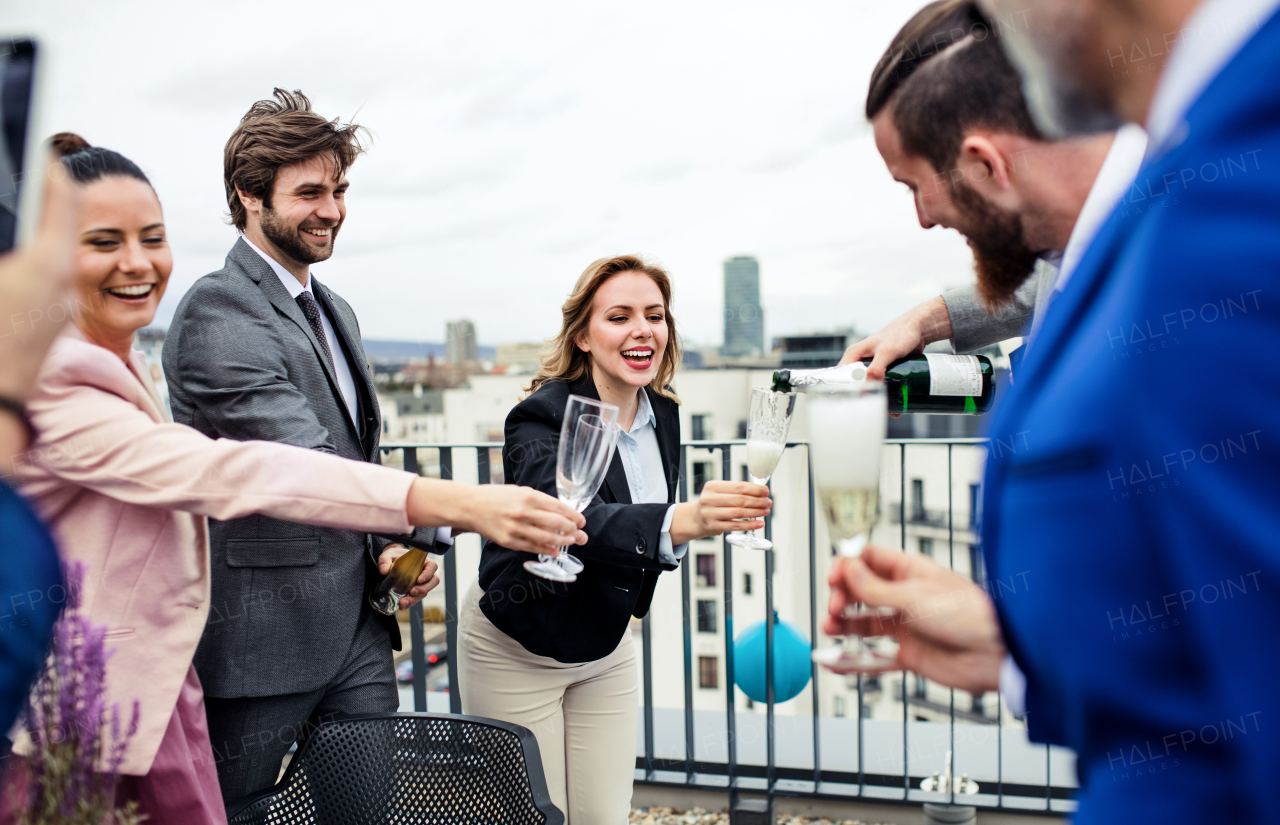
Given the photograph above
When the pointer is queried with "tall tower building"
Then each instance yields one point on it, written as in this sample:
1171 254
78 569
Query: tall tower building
460 342
743 316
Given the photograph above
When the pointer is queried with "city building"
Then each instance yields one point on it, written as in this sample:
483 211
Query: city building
824 349
460 342
412 415
743 315
516 359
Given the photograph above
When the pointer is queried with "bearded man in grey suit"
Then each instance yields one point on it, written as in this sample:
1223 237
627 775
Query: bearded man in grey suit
952 124
262 350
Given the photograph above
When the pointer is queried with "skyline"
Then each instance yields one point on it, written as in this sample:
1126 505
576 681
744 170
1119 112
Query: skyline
513 146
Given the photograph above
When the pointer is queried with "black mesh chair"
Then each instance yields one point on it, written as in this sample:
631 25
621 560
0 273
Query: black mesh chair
408 769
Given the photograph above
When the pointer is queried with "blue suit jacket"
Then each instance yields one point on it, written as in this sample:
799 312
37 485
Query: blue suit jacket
31 595
1133 490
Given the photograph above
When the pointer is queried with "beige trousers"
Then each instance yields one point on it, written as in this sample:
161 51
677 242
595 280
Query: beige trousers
584 715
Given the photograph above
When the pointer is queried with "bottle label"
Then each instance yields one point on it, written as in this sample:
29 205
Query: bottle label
954 374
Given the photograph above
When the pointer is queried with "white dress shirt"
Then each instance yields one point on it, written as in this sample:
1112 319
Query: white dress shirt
646 480
1115 176
346 383
1212 36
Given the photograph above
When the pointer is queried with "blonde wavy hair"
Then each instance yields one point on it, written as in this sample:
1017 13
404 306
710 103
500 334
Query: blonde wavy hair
563 361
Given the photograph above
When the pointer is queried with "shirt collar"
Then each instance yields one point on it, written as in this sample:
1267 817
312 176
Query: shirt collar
285 276
644 415
1210 39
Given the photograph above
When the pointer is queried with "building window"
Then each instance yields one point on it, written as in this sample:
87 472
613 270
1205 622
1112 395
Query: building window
922 687
917 499
706 616
926 547
866 711
839 707
701 475
975 507
706 570
699 427
708 672
746 584
742 429
744 473
979 707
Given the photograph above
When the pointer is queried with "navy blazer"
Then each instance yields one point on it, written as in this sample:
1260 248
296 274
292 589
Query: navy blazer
1132 495
580 621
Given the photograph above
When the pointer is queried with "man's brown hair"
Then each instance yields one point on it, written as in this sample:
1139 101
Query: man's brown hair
281 132
945 74
933 29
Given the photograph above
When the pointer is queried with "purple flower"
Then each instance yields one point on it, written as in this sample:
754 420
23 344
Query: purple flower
68 720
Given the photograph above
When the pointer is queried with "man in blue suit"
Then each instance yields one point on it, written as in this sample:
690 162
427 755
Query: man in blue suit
1131 486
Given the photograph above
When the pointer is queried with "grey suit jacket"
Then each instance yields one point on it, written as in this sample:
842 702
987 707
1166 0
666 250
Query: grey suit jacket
243 363
973 327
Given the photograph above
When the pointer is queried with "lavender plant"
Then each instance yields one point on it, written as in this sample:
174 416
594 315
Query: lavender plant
68 721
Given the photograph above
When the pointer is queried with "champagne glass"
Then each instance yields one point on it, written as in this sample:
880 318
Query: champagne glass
587 438
846 437
767 426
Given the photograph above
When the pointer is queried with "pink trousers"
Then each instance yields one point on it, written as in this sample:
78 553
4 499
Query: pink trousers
182 786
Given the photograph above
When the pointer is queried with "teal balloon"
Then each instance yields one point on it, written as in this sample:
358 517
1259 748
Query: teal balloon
791 663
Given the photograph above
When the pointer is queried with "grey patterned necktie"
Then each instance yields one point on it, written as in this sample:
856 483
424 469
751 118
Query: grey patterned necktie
312 310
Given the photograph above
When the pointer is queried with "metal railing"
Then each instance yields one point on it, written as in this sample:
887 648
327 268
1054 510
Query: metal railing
768 779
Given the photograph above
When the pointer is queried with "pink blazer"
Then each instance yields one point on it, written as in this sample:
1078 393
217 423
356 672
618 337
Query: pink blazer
127 491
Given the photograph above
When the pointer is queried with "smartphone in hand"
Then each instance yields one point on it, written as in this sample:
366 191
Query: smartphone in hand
18 73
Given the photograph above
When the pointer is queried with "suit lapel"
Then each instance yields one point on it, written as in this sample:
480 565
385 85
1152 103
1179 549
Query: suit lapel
261 273
616 480
367 406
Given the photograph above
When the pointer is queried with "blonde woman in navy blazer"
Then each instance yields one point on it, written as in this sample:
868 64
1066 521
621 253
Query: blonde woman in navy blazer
557 658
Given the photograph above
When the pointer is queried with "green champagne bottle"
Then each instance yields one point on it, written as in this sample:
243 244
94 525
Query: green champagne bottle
935 382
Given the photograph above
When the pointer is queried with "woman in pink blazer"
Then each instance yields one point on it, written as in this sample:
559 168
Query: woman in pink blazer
128 492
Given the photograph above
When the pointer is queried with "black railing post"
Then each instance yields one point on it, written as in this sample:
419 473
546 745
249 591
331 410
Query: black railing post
1048 788
906 715
417 638
687 630
451 599
731 725
951 560
813 628
770 769
646 642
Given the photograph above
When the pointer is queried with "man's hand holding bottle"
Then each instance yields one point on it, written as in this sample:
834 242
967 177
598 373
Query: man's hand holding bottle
905 335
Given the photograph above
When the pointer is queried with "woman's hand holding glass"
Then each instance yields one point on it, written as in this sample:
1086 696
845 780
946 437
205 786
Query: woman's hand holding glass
721 507
518 518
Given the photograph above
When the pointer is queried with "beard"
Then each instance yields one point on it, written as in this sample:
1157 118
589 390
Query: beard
288 239
1001 257
1054 46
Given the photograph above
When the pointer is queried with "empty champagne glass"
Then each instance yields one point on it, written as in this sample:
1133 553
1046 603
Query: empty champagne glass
846 439
587 438
767 426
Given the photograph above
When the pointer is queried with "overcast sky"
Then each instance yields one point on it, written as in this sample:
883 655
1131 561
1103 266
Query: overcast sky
516 142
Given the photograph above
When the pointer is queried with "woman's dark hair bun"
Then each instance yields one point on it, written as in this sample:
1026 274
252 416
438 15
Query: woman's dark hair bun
89 163
68 143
